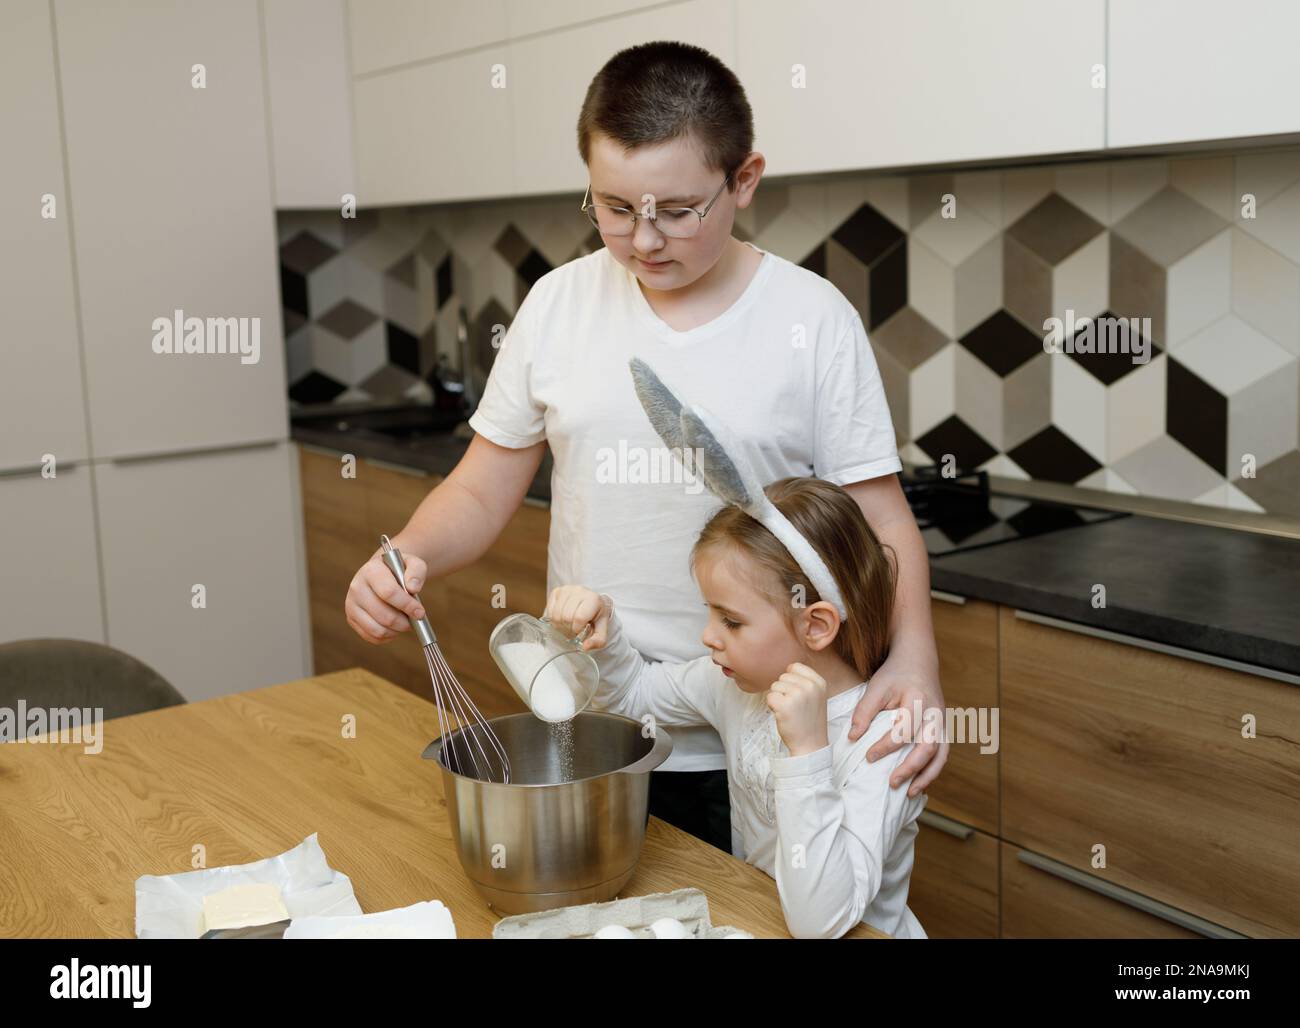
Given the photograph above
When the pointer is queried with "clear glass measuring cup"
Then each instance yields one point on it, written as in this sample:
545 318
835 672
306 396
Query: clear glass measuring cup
550 671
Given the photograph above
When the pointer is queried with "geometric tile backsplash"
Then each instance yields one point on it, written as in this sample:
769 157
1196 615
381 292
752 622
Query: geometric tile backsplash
1189 267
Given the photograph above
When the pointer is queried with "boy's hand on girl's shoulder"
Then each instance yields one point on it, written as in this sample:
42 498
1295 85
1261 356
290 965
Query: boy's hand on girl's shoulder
798 699
571 608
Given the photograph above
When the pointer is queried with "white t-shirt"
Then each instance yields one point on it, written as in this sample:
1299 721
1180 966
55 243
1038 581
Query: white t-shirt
826 825
787 369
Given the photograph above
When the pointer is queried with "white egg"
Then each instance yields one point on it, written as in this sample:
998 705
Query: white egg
669 928
614 931
738 935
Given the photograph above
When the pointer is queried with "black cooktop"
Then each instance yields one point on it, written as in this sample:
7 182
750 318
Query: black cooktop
959 513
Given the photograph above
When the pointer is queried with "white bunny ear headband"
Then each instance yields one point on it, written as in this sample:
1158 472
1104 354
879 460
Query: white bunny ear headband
727 473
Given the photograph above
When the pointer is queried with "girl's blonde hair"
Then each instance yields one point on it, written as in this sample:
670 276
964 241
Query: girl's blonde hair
833 523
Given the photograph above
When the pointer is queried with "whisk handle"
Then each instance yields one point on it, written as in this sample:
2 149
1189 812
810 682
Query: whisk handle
393 558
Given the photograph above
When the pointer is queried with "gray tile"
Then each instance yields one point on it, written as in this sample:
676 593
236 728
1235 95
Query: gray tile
1169 226
1137 286
1026 282
1054 229
908 338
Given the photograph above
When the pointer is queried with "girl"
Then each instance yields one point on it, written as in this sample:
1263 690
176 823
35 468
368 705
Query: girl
782 677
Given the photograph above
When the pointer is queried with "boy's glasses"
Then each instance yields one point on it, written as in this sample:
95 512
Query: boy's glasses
677 222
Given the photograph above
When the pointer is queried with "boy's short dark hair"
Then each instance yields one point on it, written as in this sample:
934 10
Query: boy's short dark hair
656 92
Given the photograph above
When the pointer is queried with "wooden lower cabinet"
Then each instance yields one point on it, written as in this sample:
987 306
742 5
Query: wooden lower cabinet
345 518
1109 744
1040 904
966 637
954 889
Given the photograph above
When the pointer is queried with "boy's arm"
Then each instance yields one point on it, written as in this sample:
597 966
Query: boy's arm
672 693
832 846
910 675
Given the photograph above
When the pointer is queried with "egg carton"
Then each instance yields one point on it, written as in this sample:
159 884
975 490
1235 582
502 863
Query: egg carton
636 914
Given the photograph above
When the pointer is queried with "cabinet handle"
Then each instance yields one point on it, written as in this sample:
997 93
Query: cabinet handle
939 594
1128 897
946 825
1147 644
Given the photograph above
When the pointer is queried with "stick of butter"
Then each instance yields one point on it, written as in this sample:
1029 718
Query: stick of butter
242 905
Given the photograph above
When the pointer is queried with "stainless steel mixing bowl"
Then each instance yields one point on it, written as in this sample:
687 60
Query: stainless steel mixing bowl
543 841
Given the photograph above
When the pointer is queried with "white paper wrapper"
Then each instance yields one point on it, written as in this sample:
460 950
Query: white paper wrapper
430 920
171 906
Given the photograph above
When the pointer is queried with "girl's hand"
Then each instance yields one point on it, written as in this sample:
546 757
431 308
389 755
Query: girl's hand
798 699
572 608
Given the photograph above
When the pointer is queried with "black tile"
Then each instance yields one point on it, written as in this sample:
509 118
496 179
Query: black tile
1053 456
533 267
1002 343
816 261
888 289
403 348
954 436
512 246
1110 367
443 281
868 234
314 387
293 291
1196 414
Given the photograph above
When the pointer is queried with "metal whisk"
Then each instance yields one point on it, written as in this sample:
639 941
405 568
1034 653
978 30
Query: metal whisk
464 731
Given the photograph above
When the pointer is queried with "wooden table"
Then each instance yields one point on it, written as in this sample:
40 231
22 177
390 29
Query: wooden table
251 775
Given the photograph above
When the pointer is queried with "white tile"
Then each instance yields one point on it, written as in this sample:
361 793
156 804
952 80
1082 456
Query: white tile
1277 223
1135 410
1079 406
931 287
1266 290
1262 418
1081 282
1230 355
932 396
1237 500
790 235
330 355
1217 496
978 396
1165 468
1198 289
369 353
954 239
978 287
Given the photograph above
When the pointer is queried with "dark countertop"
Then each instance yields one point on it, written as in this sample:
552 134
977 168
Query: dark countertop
1227 593
437 453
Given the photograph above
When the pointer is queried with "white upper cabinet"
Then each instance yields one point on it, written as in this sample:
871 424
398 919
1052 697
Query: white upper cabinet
878 83
525 17
40 364
1183 70
172 211
435 131
550 75
389 33
310 95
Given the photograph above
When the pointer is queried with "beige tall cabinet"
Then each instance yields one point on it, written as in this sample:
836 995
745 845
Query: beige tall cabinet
170 528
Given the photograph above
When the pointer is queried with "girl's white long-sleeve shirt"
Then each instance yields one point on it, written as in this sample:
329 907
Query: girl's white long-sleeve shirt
826 825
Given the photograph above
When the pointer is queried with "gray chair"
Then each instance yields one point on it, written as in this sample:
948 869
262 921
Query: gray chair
75 673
